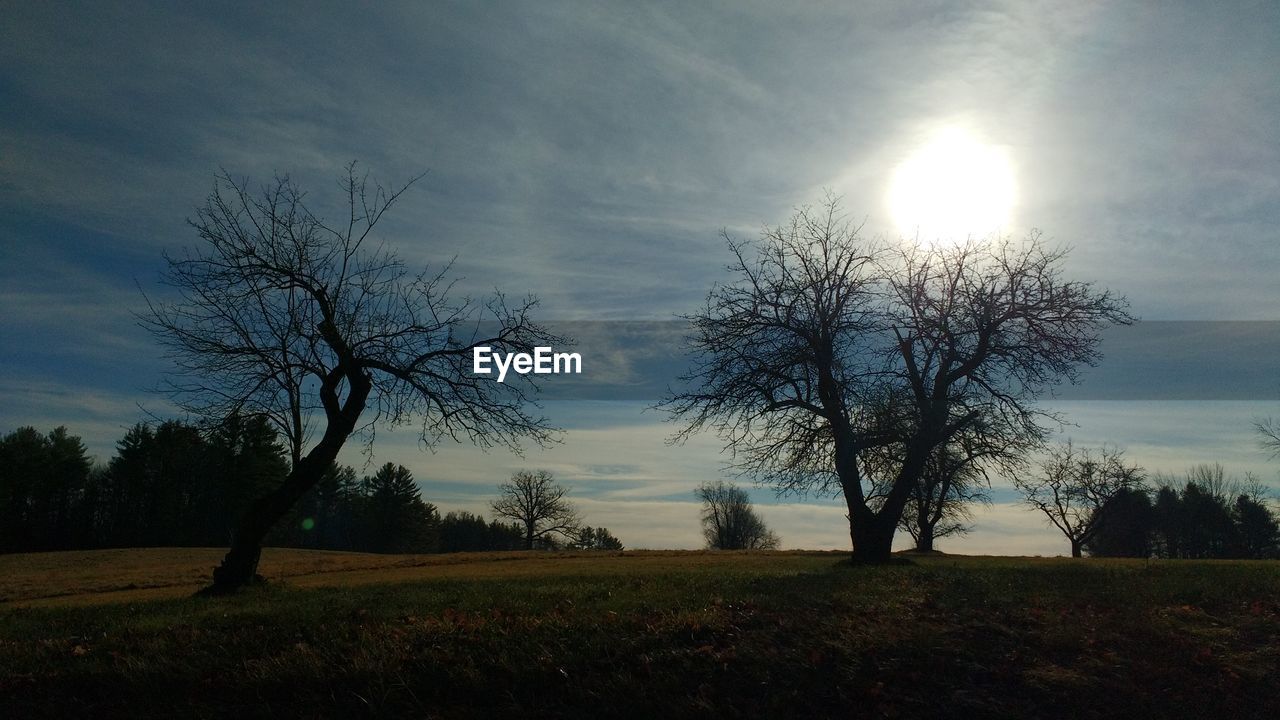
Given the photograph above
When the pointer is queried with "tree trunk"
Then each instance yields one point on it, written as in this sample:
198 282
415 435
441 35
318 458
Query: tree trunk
924 543
240 565
872 541
870 532
872 537
873 531
1075 549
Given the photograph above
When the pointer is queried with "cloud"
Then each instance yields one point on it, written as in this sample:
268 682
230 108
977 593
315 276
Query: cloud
99 417
1007 529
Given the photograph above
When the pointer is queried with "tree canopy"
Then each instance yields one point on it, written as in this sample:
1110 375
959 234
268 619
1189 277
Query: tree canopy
729 522
537 503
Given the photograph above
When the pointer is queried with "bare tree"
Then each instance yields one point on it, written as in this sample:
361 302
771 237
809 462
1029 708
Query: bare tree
954 478
1074 485
939 504
280 314
729 522
825 347
538 504
1215 482
1269 435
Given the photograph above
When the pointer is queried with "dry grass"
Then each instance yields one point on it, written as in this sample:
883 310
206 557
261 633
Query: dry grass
131 575
639 634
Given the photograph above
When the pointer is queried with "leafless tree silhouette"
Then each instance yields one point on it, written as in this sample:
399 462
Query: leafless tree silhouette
538 504
729 522
312 325
1269 435
1073 486
824 347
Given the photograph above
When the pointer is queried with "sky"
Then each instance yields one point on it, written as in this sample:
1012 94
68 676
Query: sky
592 153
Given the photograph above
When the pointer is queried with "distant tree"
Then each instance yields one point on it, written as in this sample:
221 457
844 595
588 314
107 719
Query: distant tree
1125 526
281 314
251 460
468 532
56 500
1269 435
463 532
537 503
1214 481
23 456
395 518
42 480
1254 489
1208 513
158 488
1257 531
91 515
327 516
1168 526
178 484
824 346
504 536
1207 528
589 538
182 467
1074 484
129 483
729 522
954 479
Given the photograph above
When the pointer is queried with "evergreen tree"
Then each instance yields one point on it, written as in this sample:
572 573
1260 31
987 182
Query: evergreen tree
396 520
1207 527
248 458
589 538
1126 524
327 516
461 531
1167 523
42 480
128 484
504 536
1257 532
175 501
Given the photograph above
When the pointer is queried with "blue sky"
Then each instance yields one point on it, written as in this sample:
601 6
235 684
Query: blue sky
591 153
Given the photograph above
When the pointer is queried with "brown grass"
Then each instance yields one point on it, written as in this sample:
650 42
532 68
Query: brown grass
639 634
91 577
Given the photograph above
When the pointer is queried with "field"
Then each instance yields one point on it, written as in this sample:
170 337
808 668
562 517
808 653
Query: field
638 634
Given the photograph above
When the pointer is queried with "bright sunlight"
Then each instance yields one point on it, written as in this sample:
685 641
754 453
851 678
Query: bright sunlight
953 187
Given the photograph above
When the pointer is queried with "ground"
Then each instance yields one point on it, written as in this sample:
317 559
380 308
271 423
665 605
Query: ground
639 634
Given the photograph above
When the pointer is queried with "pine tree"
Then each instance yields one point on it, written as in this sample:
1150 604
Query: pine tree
396 518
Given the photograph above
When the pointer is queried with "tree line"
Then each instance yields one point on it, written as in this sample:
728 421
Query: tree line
1107 507
1202 514
177 484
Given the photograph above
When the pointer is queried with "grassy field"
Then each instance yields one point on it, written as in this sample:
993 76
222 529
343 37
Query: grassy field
667 634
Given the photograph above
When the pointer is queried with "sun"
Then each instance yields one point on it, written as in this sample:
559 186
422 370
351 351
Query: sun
953 187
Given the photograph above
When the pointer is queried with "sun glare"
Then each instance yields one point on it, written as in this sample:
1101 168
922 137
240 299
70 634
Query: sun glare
953 187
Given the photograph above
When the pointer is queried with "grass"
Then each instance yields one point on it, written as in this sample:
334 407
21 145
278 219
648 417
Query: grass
642 635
